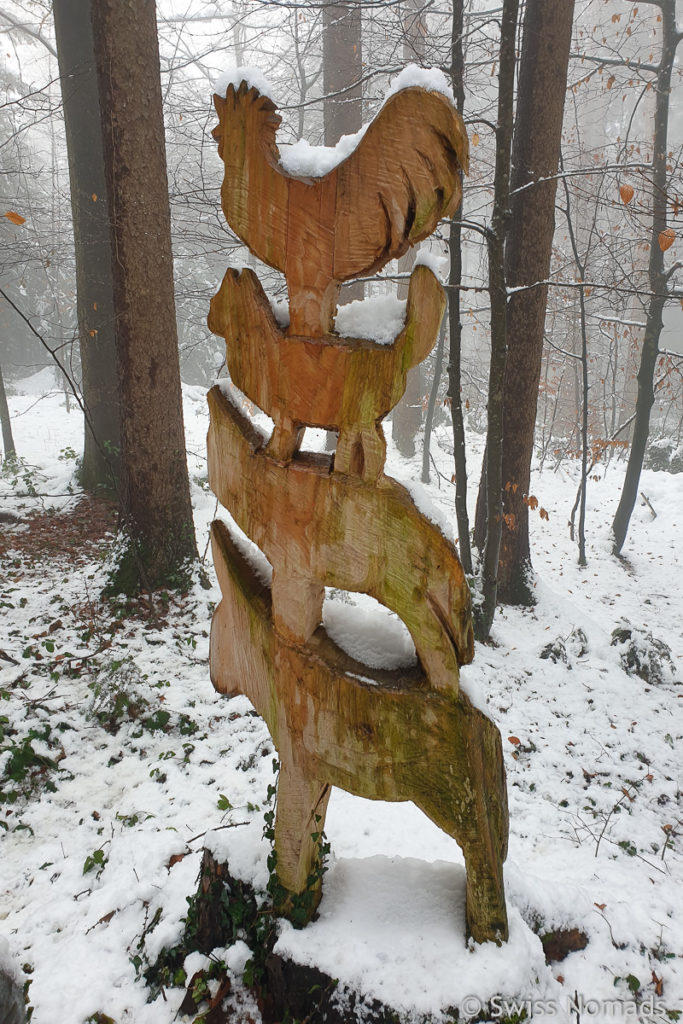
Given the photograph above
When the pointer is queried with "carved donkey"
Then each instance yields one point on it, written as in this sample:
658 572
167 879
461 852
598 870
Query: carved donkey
379 734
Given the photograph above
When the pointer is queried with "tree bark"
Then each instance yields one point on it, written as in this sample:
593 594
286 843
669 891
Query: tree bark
407 416
499 311
431 405
535 158
343 103
10 451
155 490
657 278
454 322
89 207
342 70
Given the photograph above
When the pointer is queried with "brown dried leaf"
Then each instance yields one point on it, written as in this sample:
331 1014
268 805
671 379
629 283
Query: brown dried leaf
666 238
626 192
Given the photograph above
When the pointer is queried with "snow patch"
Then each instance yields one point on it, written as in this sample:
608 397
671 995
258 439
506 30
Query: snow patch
379 318
371 935
304 160
432 79
253 76
438 264
367 631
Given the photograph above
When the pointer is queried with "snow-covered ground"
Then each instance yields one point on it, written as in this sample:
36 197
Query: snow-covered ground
118 763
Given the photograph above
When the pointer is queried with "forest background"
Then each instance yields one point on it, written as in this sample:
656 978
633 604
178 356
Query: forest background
613 271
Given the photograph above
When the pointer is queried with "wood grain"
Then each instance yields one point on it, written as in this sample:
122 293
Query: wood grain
381 735
341 522
403 177
344 384
313 525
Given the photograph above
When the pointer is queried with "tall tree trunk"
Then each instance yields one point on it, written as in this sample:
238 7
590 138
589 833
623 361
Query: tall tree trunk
535 158
454 322
89 207
499 302
342 70
155 488
343 102
431 405
657 278
407 415
10 451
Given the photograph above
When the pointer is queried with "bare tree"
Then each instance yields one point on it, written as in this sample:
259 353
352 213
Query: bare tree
343 96
657 275
94 283
454 317
7 438
406 418
496 235
155 490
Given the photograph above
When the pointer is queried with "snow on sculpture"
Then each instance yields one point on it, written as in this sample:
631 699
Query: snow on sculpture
339 521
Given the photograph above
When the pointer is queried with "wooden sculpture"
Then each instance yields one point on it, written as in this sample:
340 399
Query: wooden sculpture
340 521
390 193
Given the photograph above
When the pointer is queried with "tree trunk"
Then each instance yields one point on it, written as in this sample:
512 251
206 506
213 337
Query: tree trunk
431 405
342 70
454 322
536 152
10 451
657 278
499 303
343 103
155 490
94 284
407 416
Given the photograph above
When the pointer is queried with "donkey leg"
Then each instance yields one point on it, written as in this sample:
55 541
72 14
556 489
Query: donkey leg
361 452
299 822
297 606
485 910
485 851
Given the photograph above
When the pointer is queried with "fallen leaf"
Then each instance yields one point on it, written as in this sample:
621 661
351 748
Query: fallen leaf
15 218
176 859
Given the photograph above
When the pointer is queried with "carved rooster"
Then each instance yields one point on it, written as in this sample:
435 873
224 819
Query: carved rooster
369 209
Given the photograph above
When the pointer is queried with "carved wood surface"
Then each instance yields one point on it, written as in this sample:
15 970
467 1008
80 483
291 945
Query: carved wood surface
340 521
378 734
387 195
345 384
314 526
